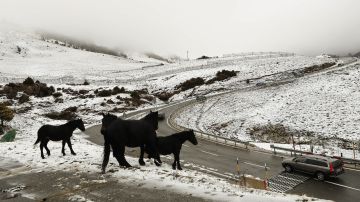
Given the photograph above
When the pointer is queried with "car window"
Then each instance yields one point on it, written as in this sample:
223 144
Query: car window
316 162
299 159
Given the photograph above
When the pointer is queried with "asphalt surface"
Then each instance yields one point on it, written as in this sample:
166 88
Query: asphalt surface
78 186
220 160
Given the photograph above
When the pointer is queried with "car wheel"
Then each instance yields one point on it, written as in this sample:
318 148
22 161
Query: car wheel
320 176
288 168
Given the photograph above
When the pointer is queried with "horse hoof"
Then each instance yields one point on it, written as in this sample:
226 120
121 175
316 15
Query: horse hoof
43 157
73 153
179 168
142 163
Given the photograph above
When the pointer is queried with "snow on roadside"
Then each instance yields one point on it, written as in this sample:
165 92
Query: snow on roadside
89 157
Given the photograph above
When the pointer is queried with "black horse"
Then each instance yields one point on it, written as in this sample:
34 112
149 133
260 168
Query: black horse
57 133
172 145
119 133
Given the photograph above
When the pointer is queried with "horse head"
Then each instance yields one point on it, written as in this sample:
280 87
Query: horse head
192 137
152 118
106 121
80 124
154 154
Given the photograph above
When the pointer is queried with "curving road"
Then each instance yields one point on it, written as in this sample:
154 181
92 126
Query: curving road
220 160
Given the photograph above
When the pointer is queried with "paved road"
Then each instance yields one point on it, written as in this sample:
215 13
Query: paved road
221 161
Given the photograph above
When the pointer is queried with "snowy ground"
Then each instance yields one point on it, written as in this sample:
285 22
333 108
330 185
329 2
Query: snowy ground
326 105
89 156
57 65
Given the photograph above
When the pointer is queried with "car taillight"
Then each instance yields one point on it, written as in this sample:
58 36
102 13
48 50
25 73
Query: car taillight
331 168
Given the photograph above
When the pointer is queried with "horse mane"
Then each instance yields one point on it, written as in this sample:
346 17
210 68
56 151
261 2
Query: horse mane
182 134
71 122
152 118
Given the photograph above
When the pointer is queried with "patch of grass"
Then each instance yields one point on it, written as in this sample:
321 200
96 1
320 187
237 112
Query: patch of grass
191 83
222 75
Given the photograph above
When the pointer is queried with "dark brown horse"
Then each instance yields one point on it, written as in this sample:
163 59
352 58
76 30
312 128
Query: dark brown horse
57 133
172 145
119 133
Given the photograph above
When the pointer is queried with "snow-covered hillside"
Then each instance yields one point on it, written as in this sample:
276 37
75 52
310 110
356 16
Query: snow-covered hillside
26 55
23 55
325 104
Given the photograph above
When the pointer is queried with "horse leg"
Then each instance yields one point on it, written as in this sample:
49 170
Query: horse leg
174 164
41 149
63 147
45 145
141 158
177 160
118 151
70 146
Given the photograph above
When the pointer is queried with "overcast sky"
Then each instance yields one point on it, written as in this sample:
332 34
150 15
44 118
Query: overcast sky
211 27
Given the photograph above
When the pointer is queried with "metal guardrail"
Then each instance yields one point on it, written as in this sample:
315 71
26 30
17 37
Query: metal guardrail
345 160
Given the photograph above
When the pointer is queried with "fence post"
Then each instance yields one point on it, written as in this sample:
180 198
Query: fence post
266 180
354 149
238 169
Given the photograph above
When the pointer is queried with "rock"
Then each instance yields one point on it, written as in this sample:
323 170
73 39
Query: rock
29 81
23 110
71 109
64 115
116 90
24 98
104 93
57 94
110 102
59 100
29 87
83 92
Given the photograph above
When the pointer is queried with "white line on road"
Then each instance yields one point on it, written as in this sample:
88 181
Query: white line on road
215 172
346 168
341 185
209 153
253 164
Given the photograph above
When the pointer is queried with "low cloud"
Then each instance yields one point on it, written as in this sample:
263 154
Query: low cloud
201 27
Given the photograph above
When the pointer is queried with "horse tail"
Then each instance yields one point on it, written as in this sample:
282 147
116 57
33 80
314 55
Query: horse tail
37 141
106 154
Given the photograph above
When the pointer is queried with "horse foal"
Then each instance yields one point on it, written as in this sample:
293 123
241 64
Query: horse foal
57 133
